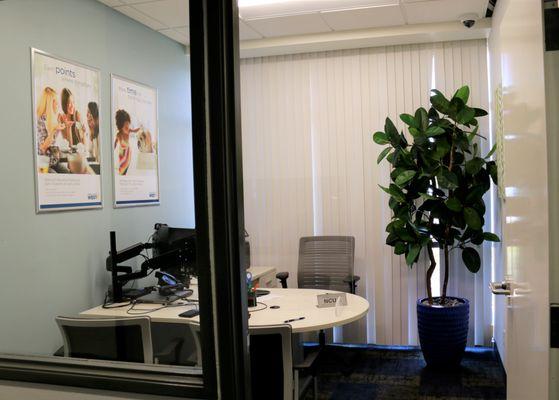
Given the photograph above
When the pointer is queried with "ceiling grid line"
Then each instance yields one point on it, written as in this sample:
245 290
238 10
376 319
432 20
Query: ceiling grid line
264 19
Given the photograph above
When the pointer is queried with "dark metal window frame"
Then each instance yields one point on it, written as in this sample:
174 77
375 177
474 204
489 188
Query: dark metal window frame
219 224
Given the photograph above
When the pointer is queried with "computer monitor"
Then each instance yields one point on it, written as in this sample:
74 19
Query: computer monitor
175 251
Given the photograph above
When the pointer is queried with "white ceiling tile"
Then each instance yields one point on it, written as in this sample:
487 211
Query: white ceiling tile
422 12
140 17
361 18
176 36
172 13
112 3
246 32
250 9
291 25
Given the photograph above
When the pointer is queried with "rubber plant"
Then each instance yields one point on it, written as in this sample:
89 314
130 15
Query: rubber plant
437 183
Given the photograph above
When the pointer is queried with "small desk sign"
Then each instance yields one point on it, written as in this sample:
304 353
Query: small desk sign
331 299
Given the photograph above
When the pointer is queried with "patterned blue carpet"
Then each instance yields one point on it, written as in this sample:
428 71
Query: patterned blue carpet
399 373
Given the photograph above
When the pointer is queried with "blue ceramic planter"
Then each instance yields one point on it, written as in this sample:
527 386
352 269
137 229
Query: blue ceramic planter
443 333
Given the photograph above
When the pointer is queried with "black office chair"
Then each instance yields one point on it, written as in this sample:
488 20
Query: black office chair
273 374
114 339
325 262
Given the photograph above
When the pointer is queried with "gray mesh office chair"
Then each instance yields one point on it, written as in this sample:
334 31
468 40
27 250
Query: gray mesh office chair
113 339
273 374
325 262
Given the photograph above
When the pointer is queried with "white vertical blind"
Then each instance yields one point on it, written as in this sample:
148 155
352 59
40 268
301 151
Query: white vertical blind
310 167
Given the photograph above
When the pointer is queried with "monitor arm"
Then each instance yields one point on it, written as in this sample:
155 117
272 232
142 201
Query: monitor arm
116 257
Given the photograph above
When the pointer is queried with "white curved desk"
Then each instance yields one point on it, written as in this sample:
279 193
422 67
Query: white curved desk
293 303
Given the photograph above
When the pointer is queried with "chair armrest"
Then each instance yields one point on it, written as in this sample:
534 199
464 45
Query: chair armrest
352 279
282 276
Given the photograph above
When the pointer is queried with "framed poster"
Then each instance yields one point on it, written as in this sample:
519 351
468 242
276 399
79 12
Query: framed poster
66 133
135 143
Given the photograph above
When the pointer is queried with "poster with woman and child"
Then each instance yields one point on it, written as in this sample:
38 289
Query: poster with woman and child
66 134
135 143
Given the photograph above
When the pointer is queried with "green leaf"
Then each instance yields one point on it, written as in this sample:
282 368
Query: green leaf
471 258
447 179
477 237
480 112
473 134
415 132
392 132
441 150
400 248
393 226
403 140
381 138
439 102
493 172
405 235
491 151
474 165
413 253
404 177
409 120
472 218
463 93
465 115
491 237
453 204
422 118
392 239
395 192
384 188
434 130
475 194
433 114
383 154
456 106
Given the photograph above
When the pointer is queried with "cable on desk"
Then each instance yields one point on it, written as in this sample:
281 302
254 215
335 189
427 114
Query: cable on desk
259 309
150 310
108 306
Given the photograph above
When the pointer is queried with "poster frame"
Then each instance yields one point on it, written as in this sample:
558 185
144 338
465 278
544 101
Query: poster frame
141 203
71 207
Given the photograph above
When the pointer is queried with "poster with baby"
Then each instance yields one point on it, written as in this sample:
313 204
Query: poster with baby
66 134
135 142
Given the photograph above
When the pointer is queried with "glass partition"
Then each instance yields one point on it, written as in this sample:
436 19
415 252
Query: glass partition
105 246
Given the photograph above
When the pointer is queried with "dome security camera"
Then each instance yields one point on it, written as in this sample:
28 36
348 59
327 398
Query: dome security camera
469 20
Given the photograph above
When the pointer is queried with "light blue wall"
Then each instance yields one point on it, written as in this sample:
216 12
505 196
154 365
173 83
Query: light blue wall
53 264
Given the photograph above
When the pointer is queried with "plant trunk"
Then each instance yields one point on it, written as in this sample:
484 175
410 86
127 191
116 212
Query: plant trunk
446 273
430 270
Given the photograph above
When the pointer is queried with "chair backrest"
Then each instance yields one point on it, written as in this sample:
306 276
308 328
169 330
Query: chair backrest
113 339
271 362
325 261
